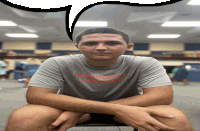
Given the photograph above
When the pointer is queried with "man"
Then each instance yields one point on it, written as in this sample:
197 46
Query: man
65 90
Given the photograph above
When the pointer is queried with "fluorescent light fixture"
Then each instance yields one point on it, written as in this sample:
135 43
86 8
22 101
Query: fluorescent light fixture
91 24
7 23
194 2
22 35
163 36
181 24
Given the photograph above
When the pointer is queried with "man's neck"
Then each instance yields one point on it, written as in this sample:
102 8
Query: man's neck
102 63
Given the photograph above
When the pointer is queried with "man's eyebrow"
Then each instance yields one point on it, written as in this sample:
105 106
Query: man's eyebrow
96 41
103 36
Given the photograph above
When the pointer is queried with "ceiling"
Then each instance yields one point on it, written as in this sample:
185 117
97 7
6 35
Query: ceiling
137 21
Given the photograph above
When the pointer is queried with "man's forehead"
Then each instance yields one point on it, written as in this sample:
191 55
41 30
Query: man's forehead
97 35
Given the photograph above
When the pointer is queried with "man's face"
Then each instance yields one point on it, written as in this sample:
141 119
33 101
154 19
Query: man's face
111 46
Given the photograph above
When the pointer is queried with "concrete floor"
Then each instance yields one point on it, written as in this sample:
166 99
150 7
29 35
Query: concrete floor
186 99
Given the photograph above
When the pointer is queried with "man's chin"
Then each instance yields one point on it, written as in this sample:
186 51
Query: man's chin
101 59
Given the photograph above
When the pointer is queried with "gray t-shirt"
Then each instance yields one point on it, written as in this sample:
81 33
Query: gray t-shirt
73 76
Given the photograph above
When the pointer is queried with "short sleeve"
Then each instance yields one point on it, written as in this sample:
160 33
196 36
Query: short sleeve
48 75
152 74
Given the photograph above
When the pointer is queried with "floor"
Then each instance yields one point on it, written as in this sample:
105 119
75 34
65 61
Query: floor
186 99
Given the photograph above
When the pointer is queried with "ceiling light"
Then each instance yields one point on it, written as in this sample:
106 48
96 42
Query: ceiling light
7 23
194 2
181 24
22 35
163 36
91 24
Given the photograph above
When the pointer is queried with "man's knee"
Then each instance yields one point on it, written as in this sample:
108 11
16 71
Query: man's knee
180 120
32 116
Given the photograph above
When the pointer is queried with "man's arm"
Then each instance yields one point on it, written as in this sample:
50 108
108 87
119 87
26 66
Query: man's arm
48 97
152 96
162 95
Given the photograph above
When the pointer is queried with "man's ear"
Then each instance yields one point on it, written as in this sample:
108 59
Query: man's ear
129 46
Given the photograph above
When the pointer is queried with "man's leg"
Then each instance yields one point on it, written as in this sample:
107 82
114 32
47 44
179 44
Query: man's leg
180 121
35 118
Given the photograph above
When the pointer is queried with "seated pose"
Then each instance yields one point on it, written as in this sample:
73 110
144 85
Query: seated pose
71 89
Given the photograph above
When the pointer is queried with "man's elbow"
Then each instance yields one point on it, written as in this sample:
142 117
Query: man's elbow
28 101
169 101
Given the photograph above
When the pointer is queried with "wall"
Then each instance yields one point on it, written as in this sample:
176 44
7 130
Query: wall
137 49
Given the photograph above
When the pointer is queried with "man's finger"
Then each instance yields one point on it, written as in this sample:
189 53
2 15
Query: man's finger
56 123
160 125
157 128
151 111
66 125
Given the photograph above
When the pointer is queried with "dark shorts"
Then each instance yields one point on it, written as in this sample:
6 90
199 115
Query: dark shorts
101 118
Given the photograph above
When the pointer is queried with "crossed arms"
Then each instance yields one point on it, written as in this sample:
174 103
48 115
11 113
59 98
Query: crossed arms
162 95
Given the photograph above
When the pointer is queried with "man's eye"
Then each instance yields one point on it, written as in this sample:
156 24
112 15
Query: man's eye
107 42
113 42
90 43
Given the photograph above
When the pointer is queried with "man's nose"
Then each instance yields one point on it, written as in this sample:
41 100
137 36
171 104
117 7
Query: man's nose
101 46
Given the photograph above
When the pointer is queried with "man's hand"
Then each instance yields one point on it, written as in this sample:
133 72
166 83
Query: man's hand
68 119
140 118
118 120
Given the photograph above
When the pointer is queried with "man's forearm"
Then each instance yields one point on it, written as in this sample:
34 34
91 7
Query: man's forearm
69 103
142 100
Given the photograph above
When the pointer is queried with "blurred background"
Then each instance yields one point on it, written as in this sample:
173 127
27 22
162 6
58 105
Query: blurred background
169 33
